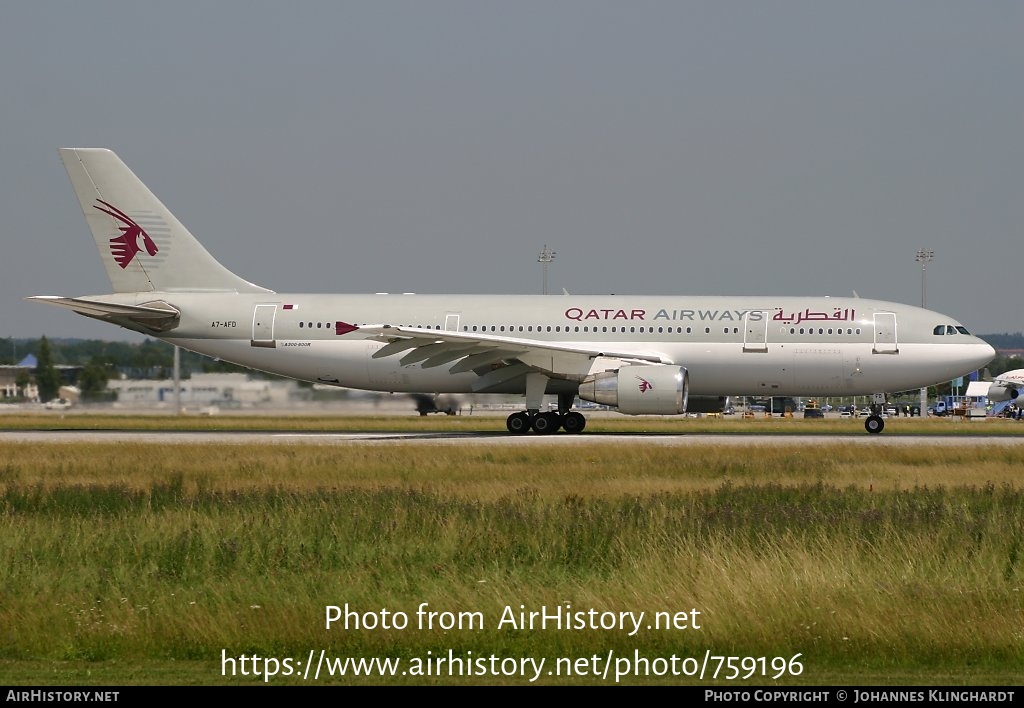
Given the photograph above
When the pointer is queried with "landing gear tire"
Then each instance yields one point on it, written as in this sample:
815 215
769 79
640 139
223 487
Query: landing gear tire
518 423
573 422
547 423
874 424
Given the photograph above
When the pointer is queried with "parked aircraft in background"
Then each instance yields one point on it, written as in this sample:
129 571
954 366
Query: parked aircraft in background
663 355
1004 387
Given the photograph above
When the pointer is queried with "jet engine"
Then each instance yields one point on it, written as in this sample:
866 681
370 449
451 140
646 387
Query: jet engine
998 393
652 389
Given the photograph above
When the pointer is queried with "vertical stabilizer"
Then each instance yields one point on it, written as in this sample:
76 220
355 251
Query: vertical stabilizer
142 245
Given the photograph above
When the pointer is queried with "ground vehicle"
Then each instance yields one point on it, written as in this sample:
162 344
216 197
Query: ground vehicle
813 413
425 404
57 404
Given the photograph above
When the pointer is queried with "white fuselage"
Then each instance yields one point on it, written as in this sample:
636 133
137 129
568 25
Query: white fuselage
729 345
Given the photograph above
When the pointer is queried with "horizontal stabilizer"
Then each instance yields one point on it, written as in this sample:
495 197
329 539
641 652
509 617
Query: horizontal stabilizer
156 316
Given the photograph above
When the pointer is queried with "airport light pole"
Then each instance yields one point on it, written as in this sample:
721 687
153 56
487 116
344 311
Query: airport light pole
177 380
924 257
545 257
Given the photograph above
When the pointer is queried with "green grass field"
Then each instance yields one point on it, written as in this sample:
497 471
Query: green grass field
148 564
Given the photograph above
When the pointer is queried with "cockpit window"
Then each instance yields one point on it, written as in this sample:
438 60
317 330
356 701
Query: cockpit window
950 329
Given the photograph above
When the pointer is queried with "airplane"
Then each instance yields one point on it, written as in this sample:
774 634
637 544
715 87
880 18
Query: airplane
1004 387
644 355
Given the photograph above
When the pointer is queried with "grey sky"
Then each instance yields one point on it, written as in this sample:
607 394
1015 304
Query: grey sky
786 148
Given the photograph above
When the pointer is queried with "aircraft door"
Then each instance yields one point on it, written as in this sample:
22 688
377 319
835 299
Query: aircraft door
263 326
451 322
885 334
755 331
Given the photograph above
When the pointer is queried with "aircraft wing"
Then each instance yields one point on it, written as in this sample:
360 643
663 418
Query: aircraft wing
469 351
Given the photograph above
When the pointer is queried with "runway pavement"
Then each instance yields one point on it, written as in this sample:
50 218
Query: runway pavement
43 437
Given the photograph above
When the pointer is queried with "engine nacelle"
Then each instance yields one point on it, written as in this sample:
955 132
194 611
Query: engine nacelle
643 389
1002 393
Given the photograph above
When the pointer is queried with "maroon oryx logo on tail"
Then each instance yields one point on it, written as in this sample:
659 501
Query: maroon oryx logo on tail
125 246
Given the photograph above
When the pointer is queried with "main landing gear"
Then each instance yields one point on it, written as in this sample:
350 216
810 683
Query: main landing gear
547 422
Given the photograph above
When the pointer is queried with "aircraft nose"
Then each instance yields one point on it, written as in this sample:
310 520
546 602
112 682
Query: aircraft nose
986 352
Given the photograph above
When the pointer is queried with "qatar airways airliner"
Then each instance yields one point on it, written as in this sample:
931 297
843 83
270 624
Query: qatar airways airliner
665 355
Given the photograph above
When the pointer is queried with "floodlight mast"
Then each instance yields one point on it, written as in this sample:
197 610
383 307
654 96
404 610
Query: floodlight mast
545 257
924 257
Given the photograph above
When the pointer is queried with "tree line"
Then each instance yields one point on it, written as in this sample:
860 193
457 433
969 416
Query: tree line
98 361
